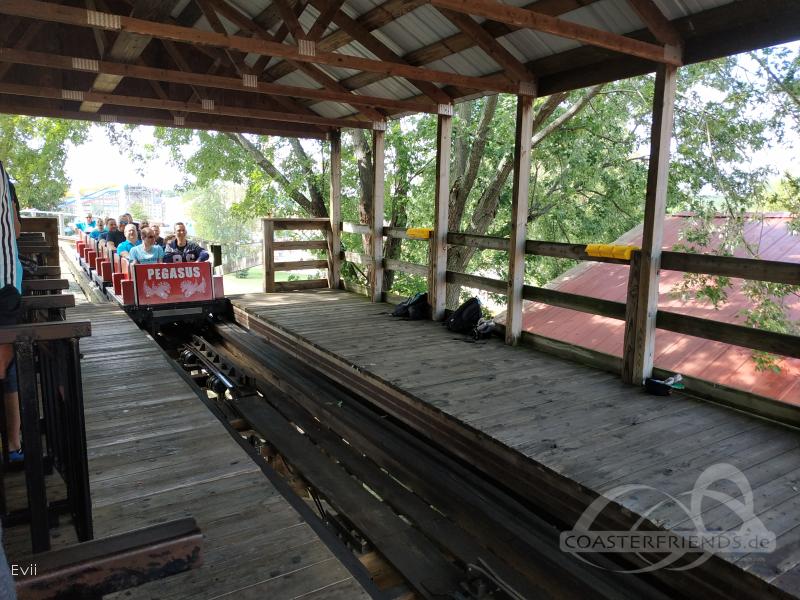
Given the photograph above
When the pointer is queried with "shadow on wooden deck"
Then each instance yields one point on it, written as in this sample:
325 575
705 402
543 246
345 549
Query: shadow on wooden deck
557 432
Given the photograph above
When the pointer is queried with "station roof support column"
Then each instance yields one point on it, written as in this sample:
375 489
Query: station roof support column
640 323
437 285
376 214
335 212
519 217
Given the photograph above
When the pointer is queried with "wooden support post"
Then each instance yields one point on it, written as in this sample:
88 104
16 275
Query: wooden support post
34 460
519 217
437 280
216 257
376 217
269 258
631 309
335 211
640 328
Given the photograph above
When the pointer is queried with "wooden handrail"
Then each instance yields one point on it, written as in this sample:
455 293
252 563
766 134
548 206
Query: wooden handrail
475 281
300 245
300 284
348 227
98 567
47 302
405 267
731 266
392 232
484 242
297 265
295 224
533 247
42 285
356 257
45 332
579 302
729 333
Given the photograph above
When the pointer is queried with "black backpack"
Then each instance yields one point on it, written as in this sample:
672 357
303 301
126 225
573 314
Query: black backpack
465 317
415 308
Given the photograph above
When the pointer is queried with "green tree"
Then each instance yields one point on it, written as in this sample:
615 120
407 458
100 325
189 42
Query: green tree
588 170
209 209
138 211
755 105
34 151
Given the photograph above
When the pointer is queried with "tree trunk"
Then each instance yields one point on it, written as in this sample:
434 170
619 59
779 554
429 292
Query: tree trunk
485 210
315 206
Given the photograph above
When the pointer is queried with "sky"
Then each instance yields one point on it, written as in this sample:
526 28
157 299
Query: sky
98 163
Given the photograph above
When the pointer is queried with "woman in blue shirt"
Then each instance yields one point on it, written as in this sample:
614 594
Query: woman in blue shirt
148 251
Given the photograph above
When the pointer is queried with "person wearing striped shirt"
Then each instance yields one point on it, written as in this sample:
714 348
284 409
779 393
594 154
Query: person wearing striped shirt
10 266
10 293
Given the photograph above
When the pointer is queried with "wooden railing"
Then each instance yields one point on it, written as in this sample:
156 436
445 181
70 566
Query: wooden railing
271 245
729 333
50 394
392 264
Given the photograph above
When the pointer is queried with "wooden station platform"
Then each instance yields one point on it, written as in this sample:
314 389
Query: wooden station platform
157 453
555 431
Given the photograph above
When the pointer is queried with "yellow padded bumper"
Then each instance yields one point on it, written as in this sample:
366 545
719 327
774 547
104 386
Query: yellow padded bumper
419 233
611 251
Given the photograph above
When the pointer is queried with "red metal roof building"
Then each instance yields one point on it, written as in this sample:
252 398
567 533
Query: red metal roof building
704 359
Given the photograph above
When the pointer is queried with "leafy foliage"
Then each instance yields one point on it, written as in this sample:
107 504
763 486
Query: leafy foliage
34 151
209 211
588 172
138 211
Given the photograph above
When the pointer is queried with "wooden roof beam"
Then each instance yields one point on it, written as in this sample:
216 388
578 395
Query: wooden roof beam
461 41
290 19
236 59
128 46
180 61
280 36
208 107
100 37
391 9
200 92
714 33
383 52
327 10
201 80
74 16
23 42
514 68
256 127
312 71
658 24
371 20
523 17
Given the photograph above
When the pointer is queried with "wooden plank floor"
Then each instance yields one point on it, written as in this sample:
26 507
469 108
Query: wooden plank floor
579 422
157 453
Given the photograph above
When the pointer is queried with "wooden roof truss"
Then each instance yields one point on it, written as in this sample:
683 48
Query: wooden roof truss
214 65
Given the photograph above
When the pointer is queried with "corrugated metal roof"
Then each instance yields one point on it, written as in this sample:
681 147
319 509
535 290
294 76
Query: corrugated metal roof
697 357
425 25
332 110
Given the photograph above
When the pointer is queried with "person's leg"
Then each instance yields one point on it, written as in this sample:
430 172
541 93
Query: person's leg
6 356
9 315
13 421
